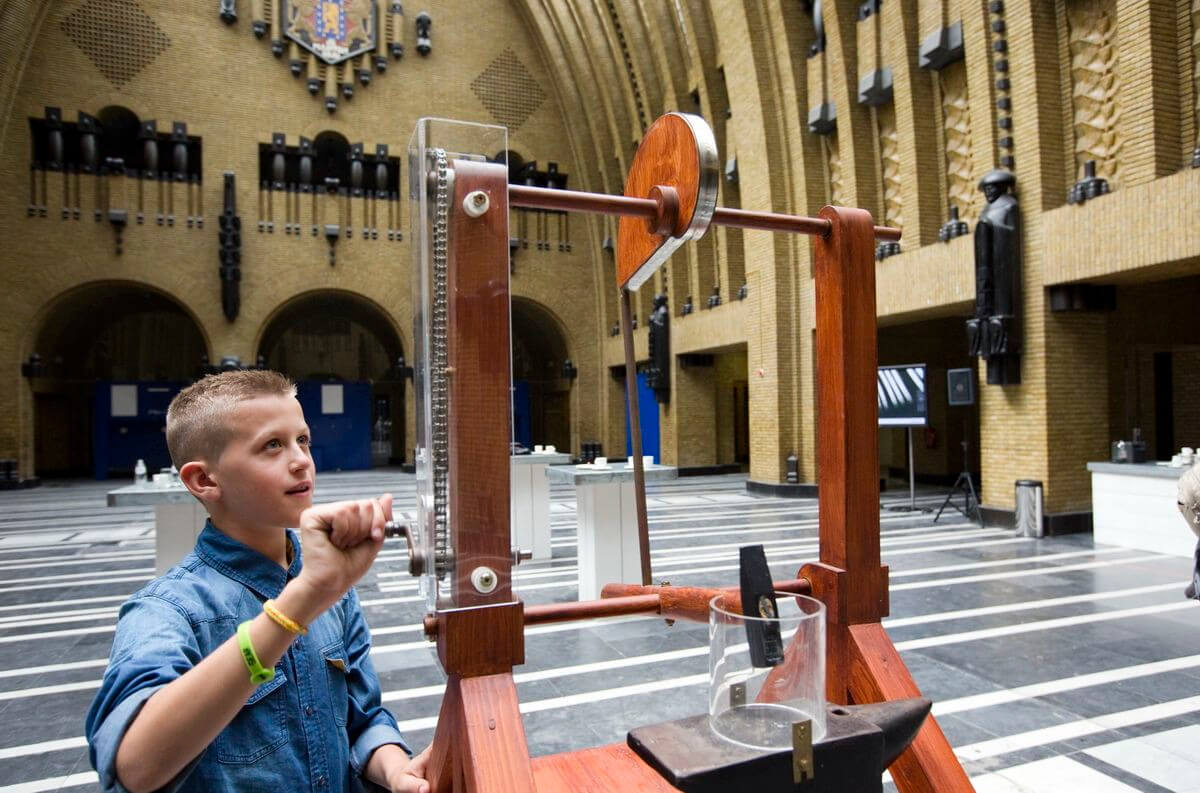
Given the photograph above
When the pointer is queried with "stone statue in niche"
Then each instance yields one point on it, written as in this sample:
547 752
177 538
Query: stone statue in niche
658 374
994 332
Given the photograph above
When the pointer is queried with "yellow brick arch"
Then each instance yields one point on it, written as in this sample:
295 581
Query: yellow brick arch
383 317
45 312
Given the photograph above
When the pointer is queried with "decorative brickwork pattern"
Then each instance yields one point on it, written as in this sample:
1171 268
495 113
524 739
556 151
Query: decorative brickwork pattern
889 162
1096 86
835 186
634 83
508 91
117 36
956 123
1196 64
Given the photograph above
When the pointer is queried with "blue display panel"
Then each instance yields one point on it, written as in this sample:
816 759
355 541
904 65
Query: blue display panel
129 422
339 416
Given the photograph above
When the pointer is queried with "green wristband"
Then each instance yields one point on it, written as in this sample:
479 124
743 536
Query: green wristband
258 674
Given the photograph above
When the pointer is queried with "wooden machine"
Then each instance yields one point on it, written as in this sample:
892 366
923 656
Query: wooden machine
461 545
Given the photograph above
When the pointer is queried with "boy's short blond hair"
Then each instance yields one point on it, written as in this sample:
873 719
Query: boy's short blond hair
197 419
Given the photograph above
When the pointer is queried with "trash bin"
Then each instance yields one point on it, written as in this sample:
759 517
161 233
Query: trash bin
1029 508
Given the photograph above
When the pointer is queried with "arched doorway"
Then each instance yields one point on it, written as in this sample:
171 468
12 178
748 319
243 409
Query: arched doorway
113 354
541 389
348 362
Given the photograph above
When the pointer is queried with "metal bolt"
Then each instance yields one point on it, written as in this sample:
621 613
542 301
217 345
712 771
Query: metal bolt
484 579
476 203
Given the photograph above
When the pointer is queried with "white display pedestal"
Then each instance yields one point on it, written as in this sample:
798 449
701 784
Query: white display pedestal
178 519
530 501
608 549
1134 505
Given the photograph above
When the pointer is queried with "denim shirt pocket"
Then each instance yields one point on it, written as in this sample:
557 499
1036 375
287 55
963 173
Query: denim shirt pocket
334 657
259 728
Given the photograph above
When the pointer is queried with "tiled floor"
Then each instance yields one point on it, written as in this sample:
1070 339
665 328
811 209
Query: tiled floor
1054 665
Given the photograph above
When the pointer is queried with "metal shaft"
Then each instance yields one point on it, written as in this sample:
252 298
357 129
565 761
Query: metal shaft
635 434
578 201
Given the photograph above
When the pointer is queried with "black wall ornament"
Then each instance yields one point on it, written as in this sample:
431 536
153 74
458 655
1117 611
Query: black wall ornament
179 157
424 42
1089 187
954 227
114 198
229 234
123 163
88 158
658 373
818 44
298 177
994 332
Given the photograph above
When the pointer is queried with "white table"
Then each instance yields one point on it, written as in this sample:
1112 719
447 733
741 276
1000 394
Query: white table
178 519
1134 505
607 550
530 501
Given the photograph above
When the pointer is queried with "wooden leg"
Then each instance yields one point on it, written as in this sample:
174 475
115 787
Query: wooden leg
443 762
479 745
495 756
928 765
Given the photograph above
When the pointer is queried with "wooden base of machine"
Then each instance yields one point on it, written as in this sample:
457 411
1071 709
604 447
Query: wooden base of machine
877 674
601 769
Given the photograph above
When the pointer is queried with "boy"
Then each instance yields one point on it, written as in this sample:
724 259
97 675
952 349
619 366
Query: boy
208 687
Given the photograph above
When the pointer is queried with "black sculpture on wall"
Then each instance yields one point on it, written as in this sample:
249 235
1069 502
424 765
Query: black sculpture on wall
229 227
994 332
658 374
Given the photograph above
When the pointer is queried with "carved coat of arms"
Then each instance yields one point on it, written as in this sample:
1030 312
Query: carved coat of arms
333 30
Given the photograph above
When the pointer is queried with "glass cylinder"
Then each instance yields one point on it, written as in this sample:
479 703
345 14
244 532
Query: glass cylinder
756 705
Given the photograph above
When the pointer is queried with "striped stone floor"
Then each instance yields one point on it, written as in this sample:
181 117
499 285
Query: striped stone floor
1055 665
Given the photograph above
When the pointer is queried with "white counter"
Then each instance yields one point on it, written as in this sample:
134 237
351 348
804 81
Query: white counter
530 501
178 519
1134 505
608 548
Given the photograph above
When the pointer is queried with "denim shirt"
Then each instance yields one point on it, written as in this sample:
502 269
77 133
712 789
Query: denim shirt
313 727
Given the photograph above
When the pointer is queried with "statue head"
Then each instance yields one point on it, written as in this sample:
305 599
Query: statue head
996 183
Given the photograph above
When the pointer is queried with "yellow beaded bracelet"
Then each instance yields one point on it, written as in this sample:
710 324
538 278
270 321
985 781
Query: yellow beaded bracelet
287 623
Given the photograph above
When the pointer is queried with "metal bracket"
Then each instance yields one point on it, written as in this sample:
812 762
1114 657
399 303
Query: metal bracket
802 751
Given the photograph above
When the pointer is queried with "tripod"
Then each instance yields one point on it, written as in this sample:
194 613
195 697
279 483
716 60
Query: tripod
965 485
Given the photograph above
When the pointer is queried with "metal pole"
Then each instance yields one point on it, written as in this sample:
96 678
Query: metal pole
635 434
912 477
629 206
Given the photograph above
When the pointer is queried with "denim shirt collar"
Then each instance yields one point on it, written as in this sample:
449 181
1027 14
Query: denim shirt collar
244 564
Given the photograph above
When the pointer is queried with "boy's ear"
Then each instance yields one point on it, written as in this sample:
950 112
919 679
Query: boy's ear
196 478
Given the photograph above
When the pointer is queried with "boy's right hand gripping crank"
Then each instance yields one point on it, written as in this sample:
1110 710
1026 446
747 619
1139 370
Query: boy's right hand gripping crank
340 542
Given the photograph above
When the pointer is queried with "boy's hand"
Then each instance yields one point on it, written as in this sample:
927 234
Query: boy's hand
340 542
410 778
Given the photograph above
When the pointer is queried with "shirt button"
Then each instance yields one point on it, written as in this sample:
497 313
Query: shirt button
321 781
308 710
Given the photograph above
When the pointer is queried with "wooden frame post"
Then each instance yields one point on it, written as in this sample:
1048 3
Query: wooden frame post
862 665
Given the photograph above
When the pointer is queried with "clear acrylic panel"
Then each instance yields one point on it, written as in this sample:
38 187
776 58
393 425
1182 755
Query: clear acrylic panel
434 147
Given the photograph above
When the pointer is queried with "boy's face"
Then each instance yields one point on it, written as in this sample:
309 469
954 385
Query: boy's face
266 474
